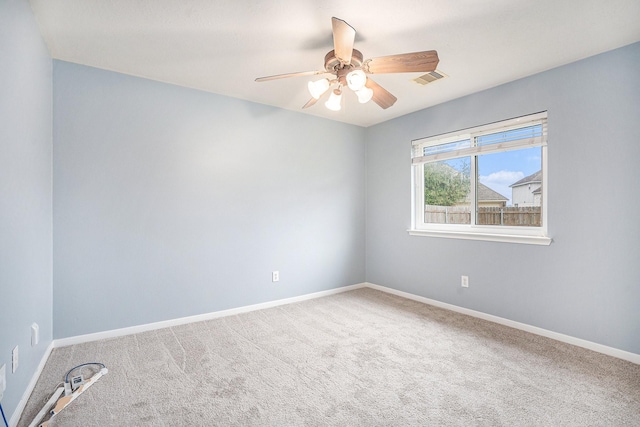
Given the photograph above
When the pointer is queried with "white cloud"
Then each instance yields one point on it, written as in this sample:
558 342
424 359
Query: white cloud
501 180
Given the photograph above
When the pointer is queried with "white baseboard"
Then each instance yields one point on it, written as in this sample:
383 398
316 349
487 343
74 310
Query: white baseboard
159 325
13 421
63 342
610 351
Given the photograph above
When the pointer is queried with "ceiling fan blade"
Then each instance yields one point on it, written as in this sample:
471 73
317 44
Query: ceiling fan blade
343 38
381 96
403 63
284 76
309 103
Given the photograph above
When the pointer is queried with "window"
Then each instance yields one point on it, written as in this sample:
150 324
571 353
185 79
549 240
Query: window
485 183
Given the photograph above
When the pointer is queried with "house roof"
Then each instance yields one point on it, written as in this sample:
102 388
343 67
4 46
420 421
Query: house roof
534 177
486 194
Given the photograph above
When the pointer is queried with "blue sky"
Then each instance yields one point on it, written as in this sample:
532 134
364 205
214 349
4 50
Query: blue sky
498 171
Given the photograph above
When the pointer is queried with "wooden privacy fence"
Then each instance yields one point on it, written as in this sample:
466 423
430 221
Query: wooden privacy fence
434 214
511 216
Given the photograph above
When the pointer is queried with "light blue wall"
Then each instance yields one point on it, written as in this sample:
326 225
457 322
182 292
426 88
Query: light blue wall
170 202
587 283
25 195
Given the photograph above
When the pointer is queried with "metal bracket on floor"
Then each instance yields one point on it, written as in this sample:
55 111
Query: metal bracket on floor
64 401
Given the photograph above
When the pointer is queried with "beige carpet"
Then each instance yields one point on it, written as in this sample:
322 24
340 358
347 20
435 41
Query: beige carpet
361 358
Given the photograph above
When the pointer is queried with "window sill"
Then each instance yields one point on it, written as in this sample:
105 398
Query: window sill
506 238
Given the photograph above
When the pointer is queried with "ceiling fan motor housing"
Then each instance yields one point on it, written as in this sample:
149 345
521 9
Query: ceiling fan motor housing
334 66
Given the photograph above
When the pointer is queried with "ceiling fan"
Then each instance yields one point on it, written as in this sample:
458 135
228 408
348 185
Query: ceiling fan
348 68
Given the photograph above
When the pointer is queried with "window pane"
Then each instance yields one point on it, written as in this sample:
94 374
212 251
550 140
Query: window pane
510 135
509 188
447 186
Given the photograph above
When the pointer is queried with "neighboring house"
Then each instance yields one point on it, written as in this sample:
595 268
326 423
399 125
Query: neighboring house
487 198
537 197
527 191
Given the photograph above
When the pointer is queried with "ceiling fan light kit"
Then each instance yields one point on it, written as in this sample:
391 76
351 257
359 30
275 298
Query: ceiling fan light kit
335 100
356 80
364 95
349 69
318 88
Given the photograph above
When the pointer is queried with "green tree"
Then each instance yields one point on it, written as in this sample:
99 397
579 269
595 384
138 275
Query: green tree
444 184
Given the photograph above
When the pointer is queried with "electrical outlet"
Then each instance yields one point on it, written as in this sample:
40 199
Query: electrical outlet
465 281
14 360
275 276
35 334
3 380
76 382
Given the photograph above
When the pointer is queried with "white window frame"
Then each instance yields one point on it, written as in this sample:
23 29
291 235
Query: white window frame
473 231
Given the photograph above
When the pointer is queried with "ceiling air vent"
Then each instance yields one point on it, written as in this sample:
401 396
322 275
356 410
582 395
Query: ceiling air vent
430 77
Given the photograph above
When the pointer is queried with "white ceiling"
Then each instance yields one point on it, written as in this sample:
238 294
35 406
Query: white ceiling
221 46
